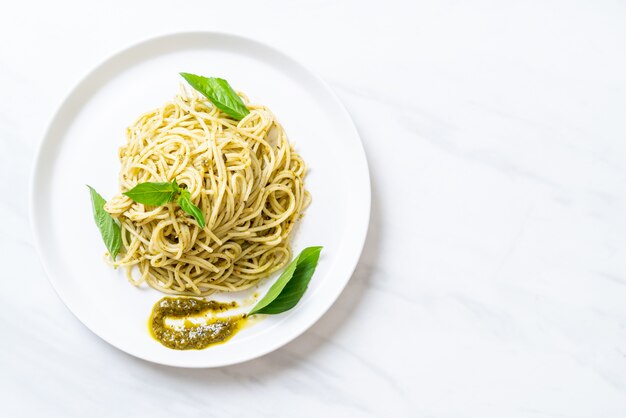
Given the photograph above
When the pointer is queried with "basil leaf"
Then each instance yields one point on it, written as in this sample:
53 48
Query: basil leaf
291 285
154 194
184 200
109 229
220 93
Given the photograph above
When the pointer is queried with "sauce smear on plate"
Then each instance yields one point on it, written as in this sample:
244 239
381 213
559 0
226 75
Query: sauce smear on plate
191 335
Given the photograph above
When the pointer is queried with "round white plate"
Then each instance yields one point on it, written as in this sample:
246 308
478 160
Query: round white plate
80 147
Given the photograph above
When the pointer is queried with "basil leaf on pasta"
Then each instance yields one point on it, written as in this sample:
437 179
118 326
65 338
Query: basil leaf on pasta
154 194
287 291
184 200
109 229
220 93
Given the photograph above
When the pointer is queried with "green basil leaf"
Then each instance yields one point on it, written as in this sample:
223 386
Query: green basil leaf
184 200
154 194
291 285
220 93
109 229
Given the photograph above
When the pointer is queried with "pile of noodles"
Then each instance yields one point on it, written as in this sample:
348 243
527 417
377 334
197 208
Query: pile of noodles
244 176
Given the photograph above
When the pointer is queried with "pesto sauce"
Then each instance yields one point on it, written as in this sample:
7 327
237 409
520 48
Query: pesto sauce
193 336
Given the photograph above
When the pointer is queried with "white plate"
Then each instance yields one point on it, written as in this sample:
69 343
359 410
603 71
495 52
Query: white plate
80 147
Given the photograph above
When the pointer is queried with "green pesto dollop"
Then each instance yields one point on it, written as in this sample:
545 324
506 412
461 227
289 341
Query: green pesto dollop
193 336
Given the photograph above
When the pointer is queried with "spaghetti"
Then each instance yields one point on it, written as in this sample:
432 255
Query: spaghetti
243 175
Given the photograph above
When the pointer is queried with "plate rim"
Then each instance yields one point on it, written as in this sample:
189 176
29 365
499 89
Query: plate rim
45 138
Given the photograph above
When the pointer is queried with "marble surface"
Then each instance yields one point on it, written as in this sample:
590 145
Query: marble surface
493 280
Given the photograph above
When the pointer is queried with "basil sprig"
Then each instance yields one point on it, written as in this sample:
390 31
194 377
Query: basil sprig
291 285
220 93
158 194
184 201
154 194
109 229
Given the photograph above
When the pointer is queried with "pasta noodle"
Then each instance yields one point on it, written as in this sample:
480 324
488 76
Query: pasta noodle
243 175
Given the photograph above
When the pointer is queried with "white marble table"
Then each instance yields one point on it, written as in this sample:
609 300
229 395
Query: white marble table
496 140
